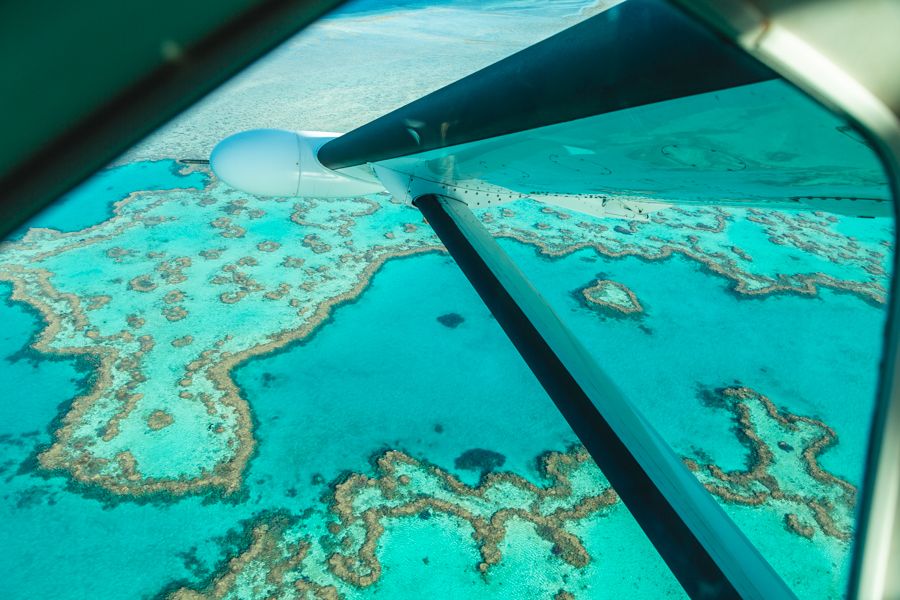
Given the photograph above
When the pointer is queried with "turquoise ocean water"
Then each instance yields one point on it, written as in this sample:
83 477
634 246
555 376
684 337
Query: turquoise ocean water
390 370
813 357
384 373
93 201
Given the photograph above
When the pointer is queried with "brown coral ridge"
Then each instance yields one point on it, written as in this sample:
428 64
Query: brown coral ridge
274 553
745 284
756 485
362 568
592 297
81 466
266 546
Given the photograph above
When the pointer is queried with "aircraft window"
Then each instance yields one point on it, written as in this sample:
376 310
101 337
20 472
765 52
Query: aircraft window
220 380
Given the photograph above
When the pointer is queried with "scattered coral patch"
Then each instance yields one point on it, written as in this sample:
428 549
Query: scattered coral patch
159 419
612 296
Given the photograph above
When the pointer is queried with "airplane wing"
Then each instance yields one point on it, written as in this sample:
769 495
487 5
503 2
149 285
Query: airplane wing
634 109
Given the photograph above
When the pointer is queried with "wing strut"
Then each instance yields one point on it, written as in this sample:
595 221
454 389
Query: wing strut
708 554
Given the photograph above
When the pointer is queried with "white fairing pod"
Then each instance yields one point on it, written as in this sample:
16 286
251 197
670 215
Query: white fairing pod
263 162
272 162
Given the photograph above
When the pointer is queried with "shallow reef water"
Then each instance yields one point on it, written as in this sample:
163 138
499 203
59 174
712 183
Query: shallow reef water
212 395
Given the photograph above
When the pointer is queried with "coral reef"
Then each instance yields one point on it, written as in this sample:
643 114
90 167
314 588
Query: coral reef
612 296
285 288
326 255
813 241
277 561
281 561
790 480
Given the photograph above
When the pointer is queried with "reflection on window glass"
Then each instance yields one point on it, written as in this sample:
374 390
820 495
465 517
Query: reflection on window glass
209 394
747 330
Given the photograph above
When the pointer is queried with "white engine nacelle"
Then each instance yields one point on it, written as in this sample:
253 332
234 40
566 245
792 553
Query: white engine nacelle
273 162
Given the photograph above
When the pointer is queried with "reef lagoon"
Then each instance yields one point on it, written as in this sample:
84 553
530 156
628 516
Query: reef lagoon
213 395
